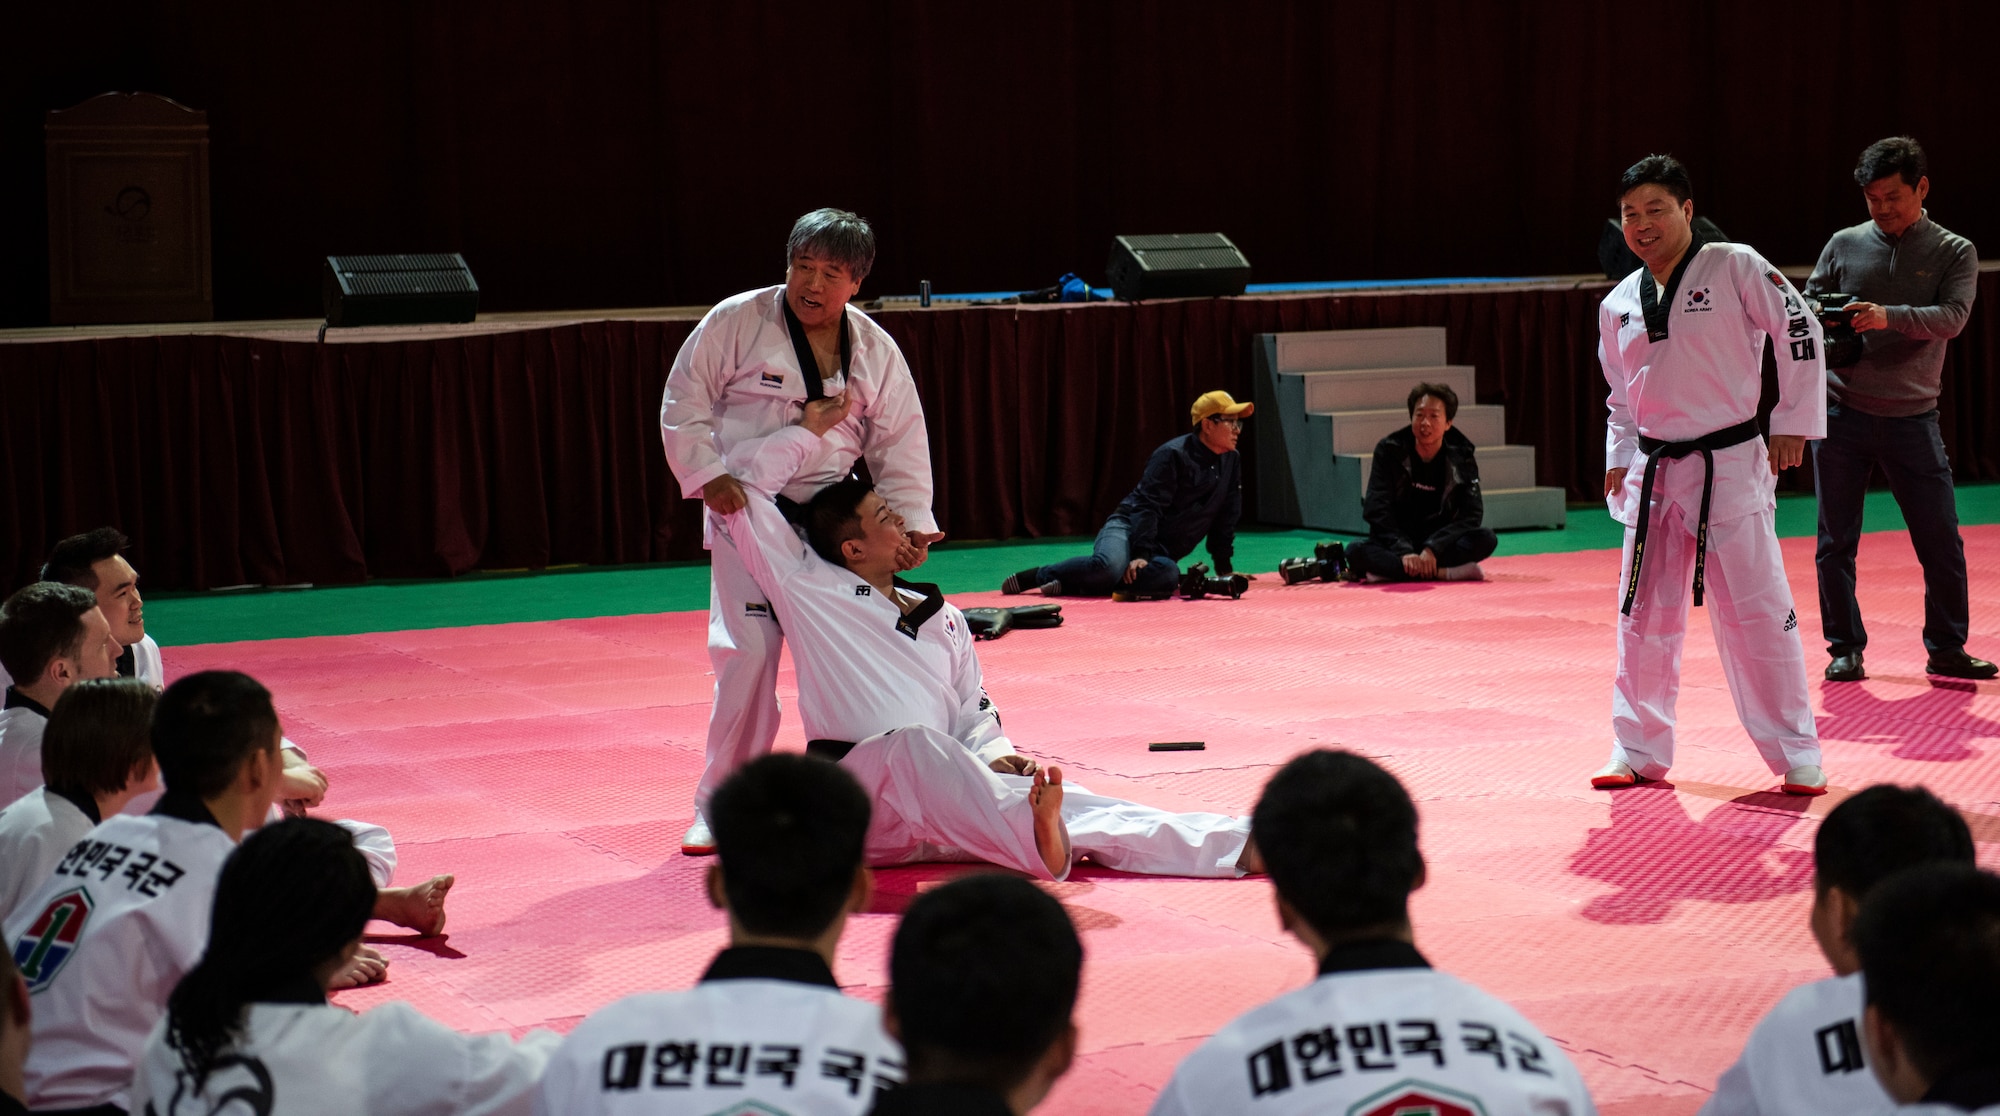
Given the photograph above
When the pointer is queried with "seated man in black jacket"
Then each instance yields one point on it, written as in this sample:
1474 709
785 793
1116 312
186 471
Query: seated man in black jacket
1193 486
1423 505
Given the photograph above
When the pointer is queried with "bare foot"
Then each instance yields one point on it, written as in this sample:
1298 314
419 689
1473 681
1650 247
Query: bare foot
1051 835
421 908
368 967
1250 860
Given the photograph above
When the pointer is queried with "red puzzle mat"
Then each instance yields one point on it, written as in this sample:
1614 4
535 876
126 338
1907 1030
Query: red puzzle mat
551 766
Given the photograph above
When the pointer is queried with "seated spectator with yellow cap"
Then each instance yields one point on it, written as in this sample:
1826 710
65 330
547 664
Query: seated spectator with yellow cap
1192 488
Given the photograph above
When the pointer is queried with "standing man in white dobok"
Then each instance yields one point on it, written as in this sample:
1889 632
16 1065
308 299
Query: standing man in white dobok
745 372
1806 1056
1682 343
890 687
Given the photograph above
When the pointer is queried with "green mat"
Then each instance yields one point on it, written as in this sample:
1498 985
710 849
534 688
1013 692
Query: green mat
496 598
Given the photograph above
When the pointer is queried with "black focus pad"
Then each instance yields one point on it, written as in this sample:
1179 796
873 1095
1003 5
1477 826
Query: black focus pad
1037 616
989 623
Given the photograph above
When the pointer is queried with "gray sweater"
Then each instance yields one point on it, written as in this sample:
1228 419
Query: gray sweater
1925 281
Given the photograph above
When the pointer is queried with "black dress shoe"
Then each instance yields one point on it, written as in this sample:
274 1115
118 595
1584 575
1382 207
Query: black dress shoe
1846 668
1957 664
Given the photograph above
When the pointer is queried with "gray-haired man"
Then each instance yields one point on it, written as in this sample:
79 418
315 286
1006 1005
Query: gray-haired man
746 372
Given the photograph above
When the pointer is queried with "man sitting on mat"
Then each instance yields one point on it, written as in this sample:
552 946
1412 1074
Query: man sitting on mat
1423 505
1193 486
1379 1030
984 1033
51 637
889 686
1805 1056
1929 940
95 560
767 1029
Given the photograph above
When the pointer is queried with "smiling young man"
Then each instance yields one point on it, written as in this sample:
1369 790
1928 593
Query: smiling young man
1687 473
1192 487
890 687
1916 282
1423 504
95 560
745 372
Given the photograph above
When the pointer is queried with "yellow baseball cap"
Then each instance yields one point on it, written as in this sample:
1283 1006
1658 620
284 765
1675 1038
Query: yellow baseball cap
1220 403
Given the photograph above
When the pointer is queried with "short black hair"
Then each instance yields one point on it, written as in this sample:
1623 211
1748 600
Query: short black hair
1897 155
833 517
1657 170
1881 831
789 832
40 622
1339 838
99 731
834 235
206 726
72 558
1929 939
1441 392
982 978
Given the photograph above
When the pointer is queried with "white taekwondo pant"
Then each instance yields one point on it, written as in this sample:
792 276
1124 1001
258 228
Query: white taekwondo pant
936 800
743 649
1750 610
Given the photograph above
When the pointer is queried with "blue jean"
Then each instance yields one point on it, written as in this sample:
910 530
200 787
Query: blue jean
1911 455
1103 569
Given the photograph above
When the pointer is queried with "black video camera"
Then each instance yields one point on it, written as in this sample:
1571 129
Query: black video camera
1197 583
1836 322
1326 564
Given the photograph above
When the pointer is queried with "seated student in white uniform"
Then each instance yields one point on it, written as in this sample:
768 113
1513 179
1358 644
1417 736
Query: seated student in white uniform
95 560
1929 939
51 636
15 1034
1380 1030
889 685
250 1026
125 915
983 978
1806 1055
97 755
767 1029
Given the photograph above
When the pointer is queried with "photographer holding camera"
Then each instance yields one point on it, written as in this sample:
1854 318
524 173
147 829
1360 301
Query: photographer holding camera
1423 504
1192 487
1912 283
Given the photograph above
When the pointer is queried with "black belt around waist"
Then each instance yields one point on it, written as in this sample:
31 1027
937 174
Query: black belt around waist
831 750
1706 445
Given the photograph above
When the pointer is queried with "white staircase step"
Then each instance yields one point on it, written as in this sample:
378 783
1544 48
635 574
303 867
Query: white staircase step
1334 349
1524 507
1499 467
1358 431
1364 389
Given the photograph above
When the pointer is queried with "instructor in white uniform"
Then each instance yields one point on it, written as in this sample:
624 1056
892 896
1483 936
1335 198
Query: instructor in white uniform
744 373
889 686
1682 343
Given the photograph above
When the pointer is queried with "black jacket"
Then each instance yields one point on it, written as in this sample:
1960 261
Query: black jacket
1188 491
1461 506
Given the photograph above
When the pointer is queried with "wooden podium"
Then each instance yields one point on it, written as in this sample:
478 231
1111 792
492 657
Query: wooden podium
128 212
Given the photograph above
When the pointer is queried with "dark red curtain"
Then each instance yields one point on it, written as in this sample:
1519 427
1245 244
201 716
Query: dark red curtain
634 153
232 460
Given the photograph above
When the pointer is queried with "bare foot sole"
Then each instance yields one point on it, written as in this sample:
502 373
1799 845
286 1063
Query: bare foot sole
1250 860
1051 835
421 908
368 967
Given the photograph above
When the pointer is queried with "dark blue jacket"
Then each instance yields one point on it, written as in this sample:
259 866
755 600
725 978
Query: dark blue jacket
1188 491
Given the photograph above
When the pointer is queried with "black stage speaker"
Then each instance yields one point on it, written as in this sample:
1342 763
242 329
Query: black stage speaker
1177 265
398 290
